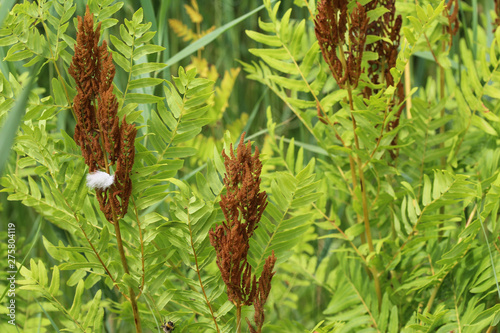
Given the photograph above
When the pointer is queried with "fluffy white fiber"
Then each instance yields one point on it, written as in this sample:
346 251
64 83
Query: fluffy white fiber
100 180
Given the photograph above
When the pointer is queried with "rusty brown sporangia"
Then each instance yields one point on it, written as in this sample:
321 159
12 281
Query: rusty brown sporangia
105 144
242 205
497 11
331 26
379 71
453 22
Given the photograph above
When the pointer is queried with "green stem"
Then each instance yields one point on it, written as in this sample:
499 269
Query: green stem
142 248
199 275
238 318
363 187
133 301
433 296
442 129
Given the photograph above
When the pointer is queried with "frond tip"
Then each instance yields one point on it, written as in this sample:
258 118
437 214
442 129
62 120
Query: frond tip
100 180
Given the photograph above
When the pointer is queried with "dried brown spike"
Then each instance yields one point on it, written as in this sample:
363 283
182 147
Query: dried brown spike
85 70
357 38
453 21
263 291
242 182
242 205
389 26
330 26
379 70
98 132
124 166
497 11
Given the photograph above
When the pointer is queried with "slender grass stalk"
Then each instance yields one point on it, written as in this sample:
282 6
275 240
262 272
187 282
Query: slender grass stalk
489 249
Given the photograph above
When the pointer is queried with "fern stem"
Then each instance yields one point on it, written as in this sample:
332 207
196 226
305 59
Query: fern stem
130 73
334 224
142 248
351 159
93 247
433 296
364 201
408 89
365 305
133 300
55 300
199 275
119 242
354 184
442 128
365 207
238 318
103 264
368 232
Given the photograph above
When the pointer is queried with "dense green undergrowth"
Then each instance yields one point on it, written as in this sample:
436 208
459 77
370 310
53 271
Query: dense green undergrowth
380 163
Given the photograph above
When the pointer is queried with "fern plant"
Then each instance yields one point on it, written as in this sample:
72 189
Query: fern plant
381 178
58 192
404 195
134 262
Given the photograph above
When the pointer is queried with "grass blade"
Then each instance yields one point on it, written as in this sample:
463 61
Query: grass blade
205 40
33 242
9 129
48 316
489 248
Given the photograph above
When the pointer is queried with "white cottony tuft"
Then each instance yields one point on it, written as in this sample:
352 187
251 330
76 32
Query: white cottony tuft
100 180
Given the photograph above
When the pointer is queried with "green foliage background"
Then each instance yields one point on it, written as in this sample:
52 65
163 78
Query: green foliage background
433 210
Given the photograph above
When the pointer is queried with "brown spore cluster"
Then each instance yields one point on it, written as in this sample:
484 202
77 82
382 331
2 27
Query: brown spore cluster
344 56
379 71
242 205
331 25
103 141
453 22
